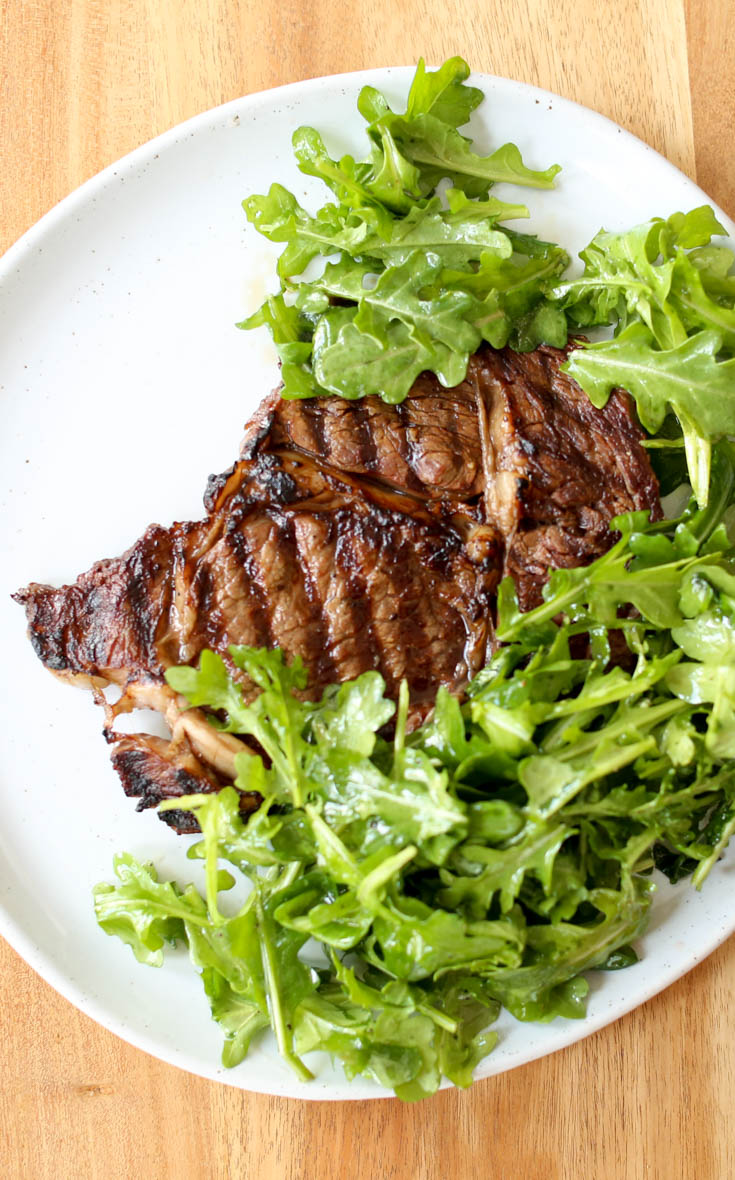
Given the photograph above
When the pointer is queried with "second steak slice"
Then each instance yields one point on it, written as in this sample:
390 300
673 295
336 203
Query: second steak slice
557 470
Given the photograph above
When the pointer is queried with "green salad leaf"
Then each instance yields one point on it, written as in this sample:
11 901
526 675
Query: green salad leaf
688 380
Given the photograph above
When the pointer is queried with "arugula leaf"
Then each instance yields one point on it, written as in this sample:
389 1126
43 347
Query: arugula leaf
395 182
542 988
415 799
688 230
687 379
695 306
144 912
411 941
642 272
355 364
502 871
239 1018
351 714
440 152
344 177
715 266
279 217
397 296
442 93
427 135
457 237
291 332
468 1000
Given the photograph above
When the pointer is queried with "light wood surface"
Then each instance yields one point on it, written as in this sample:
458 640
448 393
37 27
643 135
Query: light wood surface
83 82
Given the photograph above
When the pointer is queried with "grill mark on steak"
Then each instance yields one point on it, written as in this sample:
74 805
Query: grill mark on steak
318 424
359 555
246 590
365 441
359 634
390 580
357 535
260 536
394 464
427 444
293 611
315 539
404 446
322 658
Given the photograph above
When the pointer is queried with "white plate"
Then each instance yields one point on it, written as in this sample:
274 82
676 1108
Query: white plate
123 384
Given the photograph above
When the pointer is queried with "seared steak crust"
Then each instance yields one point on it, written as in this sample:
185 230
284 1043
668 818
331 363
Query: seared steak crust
357 535
151 770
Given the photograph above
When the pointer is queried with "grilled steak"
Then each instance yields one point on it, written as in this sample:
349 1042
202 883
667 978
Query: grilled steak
357 535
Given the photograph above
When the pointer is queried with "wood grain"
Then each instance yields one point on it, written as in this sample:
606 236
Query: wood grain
83 82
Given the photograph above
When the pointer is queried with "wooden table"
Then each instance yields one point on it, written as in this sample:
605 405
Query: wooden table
83 82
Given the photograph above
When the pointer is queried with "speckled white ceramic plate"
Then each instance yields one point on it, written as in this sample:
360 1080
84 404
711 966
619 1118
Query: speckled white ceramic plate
124 383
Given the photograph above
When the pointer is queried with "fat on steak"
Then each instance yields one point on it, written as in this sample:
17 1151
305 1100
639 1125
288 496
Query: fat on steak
357 535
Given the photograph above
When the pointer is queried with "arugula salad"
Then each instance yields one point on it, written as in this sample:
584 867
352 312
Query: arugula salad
403 888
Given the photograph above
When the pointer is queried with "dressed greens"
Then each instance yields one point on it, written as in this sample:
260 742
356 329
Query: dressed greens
403 888
488 858
411 280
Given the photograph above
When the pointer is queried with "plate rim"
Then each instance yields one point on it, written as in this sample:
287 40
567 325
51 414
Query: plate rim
27 240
